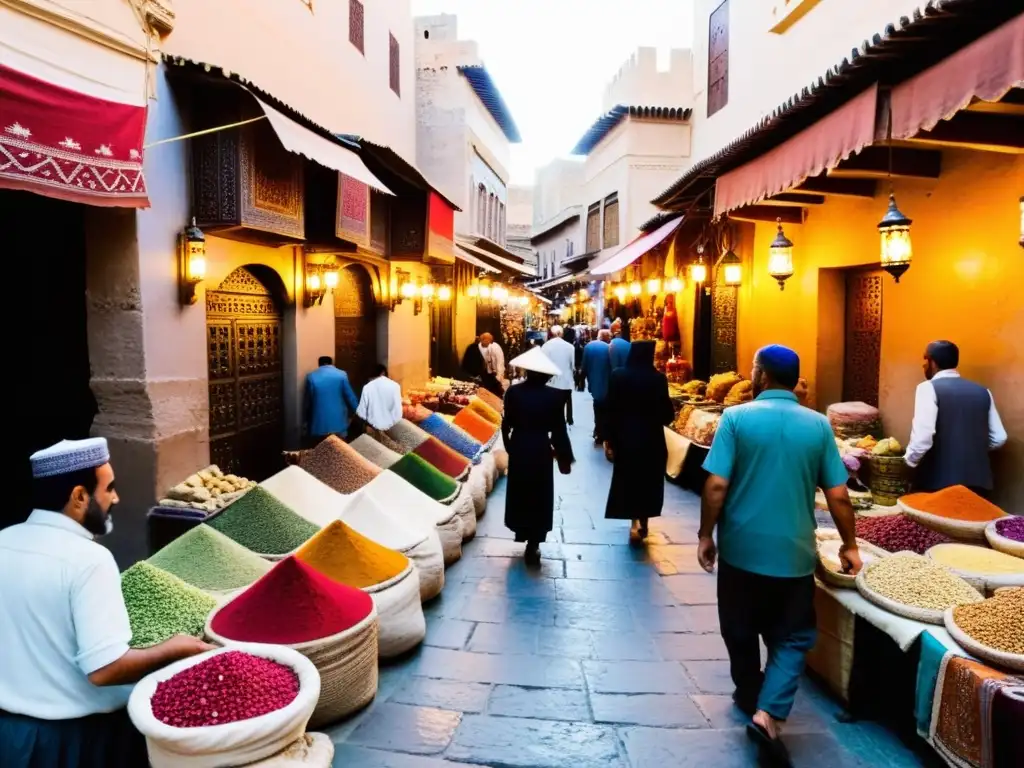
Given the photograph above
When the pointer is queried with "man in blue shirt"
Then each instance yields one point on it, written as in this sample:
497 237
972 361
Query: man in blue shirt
330 402
619 347
766 461
596 369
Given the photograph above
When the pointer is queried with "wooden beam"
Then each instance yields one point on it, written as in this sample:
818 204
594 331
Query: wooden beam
788 214
794 198
977 130
825 185
874 163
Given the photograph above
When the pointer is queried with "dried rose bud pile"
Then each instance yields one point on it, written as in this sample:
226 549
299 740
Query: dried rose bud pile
1011 528
225 688
896 533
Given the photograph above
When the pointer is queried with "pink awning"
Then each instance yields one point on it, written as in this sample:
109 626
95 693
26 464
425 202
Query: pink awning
814 150
634 250
986 69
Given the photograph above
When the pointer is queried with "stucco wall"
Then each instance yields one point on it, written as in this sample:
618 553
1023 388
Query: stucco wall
963 285
555 245
557 186
639 82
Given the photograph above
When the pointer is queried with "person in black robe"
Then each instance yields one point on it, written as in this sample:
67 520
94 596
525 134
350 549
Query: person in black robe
473 366
638 410
533 429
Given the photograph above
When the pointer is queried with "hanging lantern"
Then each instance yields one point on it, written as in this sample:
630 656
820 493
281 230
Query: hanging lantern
698 271
780 257
500 293
654 286
444 293
620 292
473 290
408 290
427 290
675 285
732 269
635 289
897 250
583 294
485 291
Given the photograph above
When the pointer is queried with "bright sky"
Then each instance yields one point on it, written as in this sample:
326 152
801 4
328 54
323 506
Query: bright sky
551 59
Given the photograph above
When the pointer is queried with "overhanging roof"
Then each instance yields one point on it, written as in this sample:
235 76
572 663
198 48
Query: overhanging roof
493 254
560 219
553 282
483 86
395 163
635 249
903 49
606 122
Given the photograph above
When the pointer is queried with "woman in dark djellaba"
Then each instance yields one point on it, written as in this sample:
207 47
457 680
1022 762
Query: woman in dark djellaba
533 429
638 410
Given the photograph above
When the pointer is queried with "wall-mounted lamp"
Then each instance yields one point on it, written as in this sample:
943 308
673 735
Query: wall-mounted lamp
732 269
635 288
473 290
191 262
485 291
675 285
500 293
620 292
331 279
315 287
402 288
444 293
654 286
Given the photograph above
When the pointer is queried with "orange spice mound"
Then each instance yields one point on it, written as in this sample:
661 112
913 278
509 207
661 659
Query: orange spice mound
477 426
956 502
342 554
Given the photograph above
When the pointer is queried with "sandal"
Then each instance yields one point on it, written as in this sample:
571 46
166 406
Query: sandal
772 749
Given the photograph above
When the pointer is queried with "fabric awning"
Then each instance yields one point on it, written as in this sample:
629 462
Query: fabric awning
299 140
469 258
634 250
815 149
986 69
492 258
560 280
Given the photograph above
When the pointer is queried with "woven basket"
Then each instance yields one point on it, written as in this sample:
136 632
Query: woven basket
887 479
983 582
400 614
490 470
842 580
477 485
347 663
995 657
429 561
466 510
1001 543
960 530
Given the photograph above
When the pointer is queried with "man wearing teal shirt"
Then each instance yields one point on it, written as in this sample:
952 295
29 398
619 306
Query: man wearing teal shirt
766 461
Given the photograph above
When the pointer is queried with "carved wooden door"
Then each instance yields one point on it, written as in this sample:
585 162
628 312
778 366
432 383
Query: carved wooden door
863 355
243 331
355 326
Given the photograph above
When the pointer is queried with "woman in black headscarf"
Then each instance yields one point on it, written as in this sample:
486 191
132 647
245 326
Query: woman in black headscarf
638 410
533 430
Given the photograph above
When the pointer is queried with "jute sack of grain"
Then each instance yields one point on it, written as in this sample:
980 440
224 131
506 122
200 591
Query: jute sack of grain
477 485
231 744
313 750
402 624
466 510
490 470
403 501
347 663
500 455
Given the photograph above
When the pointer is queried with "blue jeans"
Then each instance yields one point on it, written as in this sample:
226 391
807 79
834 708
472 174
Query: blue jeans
779 610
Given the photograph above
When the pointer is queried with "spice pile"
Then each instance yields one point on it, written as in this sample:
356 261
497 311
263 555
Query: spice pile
721 384
970 559
407 435
223 689
348 557
263 524
484 410
293 603
439 455
209 560
1011 528
475 425
451 436
896 533
491 399
956 502
916 581
339 465
375 452
425 477
997 622
161 605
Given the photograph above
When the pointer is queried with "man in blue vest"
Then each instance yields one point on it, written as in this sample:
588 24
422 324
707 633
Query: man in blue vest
955 426
596 369
330 402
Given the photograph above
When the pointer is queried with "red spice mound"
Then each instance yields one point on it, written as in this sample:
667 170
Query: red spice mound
225 688
443 458
956 502
896 533
293 603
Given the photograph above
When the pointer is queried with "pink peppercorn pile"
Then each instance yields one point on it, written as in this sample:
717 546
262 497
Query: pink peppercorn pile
896 533
225 688
1011 528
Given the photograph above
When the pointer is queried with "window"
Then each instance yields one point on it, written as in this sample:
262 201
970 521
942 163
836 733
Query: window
394 68
594 227
718 58
501 223
568 248
355 25
611 220
481 209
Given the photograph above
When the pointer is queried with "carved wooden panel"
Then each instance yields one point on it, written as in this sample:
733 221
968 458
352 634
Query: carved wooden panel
379 209
355 25
723 328
355 325
594 227
718 58
394 65
352 219
863 353
215 178
244 362
271 183
409 226
611 222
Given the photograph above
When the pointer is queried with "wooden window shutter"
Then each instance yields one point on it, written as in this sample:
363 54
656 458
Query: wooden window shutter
718 58
611 220
395 68
594 227
355 25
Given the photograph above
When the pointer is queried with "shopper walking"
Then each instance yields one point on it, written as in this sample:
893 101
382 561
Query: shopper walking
766 461
330 402
533 430
619 347
638 411
494 365
562 354
596 371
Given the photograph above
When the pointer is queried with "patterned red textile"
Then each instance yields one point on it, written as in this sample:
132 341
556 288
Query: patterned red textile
64 144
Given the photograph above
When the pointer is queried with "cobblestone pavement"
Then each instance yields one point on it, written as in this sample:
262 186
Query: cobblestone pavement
606 655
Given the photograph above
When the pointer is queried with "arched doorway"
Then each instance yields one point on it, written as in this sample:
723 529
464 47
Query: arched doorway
243 336
355 325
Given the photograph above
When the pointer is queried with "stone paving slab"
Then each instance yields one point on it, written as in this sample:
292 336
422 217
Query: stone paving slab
526 743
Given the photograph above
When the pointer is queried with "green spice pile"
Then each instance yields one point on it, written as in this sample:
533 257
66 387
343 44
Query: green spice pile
261 523
917 581
208 559
161 605
997 622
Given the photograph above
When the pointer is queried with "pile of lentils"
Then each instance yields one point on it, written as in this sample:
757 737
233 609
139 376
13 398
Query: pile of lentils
916 581
1011 528
897 533
209 560
160 605
261 523
997 622
225 688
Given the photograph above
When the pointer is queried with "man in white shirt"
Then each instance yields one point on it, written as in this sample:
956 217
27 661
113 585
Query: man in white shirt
563 355
65 663
955 426
494 364
380 404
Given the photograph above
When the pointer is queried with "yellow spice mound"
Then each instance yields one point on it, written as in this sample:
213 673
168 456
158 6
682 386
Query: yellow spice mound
348 557
971 559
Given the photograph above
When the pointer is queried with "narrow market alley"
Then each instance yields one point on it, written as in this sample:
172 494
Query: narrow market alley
605 655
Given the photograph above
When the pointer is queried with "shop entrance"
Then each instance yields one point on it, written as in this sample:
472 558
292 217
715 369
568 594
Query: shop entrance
863 336
355 325
442 341
488 320
244 356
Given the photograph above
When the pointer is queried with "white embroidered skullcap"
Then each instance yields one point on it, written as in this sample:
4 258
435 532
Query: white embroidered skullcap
70 456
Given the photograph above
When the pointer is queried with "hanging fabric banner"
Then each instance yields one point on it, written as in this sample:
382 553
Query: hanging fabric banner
441 231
